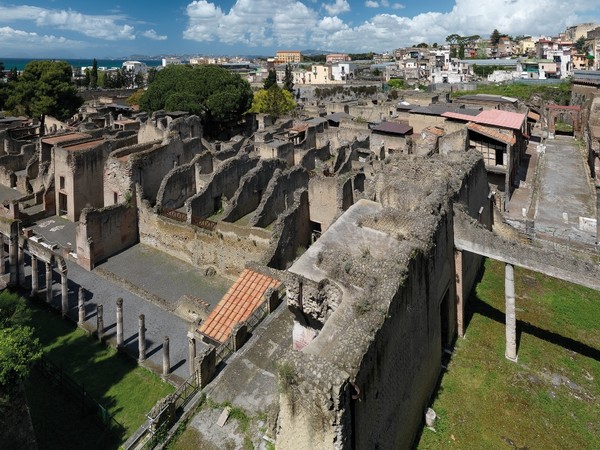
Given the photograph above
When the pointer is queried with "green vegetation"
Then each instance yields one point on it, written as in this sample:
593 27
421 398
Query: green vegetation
484 71
44 88
563 127
273 101
548 399
397 83
207 90
126 390
557 93
359 91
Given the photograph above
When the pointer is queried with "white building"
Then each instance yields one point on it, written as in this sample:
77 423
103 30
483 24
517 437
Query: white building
135 67
168 61
343 71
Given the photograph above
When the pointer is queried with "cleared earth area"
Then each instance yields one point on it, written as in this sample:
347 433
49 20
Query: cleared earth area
550 398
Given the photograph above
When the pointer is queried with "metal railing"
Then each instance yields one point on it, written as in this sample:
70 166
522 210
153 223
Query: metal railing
197 221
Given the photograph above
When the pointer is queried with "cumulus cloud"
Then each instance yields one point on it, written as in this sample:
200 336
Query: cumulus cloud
310 24
151 34
105 27
11 37
338 7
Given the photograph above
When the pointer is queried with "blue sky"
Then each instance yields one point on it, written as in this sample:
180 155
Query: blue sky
71 29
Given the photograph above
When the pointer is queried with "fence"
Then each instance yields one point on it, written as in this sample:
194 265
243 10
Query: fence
197 221
55 375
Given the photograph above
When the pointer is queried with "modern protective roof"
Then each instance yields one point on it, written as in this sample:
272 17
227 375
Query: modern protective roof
494 117
54 140
393 128
491 133
237 305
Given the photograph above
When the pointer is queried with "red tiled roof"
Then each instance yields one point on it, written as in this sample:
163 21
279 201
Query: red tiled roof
533 115
493 117
84 145
491 133
237 305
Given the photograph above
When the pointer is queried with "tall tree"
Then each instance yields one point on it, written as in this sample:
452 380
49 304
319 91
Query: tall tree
207 90
288 79
44 87
271 79
273 101
580 44
495 37
94 75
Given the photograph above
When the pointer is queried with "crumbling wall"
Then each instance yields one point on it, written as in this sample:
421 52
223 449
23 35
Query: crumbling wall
227 248
291 233
222 186
104 232
456 141
180 183
11 163
329 197
161 125
279 195
251 188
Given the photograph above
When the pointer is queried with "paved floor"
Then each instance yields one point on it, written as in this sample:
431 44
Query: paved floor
565 191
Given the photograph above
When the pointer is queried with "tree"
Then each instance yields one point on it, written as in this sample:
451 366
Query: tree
396 83
288 79
94 75
273 101
580 44
452 39
19 349
461 51
495 37
152 71
422 45
43 88
270 80
210 91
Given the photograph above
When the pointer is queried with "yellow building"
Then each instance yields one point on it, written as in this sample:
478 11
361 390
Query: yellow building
288 56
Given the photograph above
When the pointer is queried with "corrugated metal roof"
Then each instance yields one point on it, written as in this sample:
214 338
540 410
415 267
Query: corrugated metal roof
237 305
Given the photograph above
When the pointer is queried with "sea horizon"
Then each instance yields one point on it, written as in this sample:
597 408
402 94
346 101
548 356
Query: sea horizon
20 63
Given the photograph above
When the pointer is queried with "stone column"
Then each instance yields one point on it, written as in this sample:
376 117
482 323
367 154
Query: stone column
81 306
34 275
511 315
142 339
64 290
48 282
119 322
100 322
191 352
21 260
2 267
460 302
13 251
166 360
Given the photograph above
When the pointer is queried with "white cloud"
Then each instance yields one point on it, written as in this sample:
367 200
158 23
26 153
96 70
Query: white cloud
24 40
295 24
339 6
151 34
105 27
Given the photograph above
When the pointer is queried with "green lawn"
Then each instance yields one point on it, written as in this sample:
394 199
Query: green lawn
114 380
550 398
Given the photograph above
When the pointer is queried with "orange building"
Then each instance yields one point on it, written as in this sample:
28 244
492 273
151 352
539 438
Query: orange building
288 56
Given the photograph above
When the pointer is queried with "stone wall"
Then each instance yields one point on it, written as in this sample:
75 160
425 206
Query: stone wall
161 125
250 191
329 197
291 234
104 232
279 195
180 183
227 248
221 187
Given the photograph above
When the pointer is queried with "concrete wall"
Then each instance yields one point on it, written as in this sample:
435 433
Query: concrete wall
104 232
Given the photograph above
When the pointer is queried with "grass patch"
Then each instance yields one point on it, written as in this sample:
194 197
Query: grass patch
558 93
126 390
549 398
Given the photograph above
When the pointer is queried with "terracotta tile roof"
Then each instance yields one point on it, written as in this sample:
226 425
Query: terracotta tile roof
435 130
300 127
534 116
491 133
84 145
494 117
237 305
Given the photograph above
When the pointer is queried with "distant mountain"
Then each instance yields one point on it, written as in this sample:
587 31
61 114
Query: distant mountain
315 52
